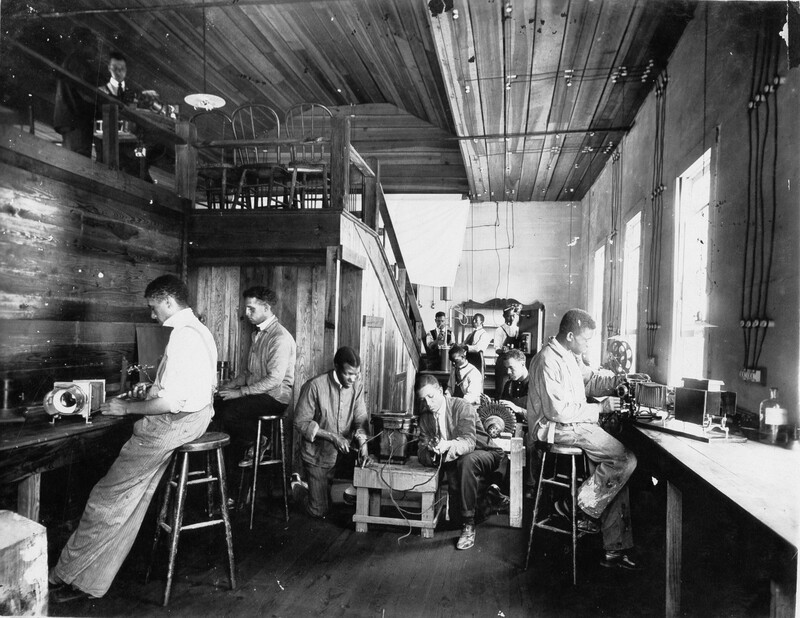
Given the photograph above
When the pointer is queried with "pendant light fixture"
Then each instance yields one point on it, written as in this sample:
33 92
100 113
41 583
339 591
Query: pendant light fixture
203 100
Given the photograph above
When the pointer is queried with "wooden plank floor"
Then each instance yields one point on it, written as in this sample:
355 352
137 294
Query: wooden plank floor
310 567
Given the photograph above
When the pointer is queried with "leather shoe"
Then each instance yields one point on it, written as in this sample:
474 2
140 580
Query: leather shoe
65 594
467 538
585 524
620 560
247 462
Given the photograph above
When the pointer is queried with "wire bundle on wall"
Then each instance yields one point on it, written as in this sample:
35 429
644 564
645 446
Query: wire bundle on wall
762 122
613 325
657 199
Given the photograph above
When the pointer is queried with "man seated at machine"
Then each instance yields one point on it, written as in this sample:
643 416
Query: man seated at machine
465 381
265 386
439 336
453 437
330 414
514 395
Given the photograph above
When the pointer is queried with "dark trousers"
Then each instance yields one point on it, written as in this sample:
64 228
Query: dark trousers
239 419
464 475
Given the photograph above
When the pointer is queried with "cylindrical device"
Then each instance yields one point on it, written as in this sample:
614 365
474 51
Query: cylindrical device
773 420
64 400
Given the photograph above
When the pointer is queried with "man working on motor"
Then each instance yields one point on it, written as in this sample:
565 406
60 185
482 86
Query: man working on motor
330 415
265 387
559 413
452 435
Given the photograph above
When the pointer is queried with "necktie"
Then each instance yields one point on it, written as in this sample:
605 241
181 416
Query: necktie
120 92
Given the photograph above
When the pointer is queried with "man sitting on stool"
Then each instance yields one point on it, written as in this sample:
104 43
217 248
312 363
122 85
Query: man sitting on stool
559 413
330 413
466 381
452 436
265 387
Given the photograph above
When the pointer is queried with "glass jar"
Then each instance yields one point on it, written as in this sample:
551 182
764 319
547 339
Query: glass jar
773 420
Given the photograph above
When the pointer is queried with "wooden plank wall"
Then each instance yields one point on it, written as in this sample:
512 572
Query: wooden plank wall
78 246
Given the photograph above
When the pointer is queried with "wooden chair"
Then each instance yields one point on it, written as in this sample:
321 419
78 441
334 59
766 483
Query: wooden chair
259 166
310 159
217 167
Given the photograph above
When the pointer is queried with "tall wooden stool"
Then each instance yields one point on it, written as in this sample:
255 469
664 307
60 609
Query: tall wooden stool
277 458
551 454
177 484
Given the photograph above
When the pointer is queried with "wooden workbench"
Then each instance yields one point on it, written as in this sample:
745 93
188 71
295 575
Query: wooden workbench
759 478
35 446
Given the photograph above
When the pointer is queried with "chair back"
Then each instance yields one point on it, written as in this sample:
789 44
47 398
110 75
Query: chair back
211 125
310 123
256 121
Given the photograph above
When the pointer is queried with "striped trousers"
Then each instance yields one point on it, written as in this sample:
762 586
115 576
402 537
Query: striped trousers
118 502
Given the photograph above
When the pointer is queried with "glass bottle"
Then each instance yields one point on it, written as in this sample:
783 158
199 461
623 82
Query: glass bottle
773 420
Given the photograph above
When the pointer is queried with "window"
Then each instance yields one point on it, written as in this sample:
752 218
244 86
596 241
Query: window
691 271
630 282
596 306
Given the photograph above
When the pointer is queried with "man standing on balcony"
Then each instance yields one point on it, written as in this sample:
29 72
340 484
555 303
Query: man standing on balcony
265 386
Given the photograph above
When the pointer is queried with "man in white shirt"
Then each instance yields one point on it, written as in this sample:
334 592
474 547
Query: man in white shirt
177 410
479 339
559 413
465 381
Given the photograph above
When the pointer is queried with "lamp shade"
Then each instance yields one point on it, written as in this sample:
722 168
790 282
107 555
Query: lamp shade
446 293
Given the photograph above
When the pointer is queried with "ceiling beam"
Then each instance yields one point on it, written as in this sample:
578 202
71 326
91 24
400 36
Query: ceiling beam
178 6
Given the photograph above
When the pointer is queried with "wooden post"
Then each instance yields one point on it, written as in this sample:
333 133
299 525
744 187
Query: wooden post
674 548
186 161
333 265
28 492
23 566
371 194
111 136
340 161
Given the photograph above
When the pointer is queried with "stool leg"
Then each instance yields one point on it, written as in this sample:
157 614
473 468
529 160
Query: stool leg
256 457
535 509
162 516
177 522
209 488
226 520
283 469
574 492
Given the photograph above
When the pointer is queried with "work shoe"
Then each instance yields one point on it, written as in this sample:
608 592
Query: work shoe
498 499
584 523
467 538
619 559
248 456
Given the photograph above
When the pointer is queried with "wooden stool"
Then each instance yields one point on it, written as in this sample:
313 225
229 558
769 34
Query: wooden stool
278 458
551 453
410 477
177 483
